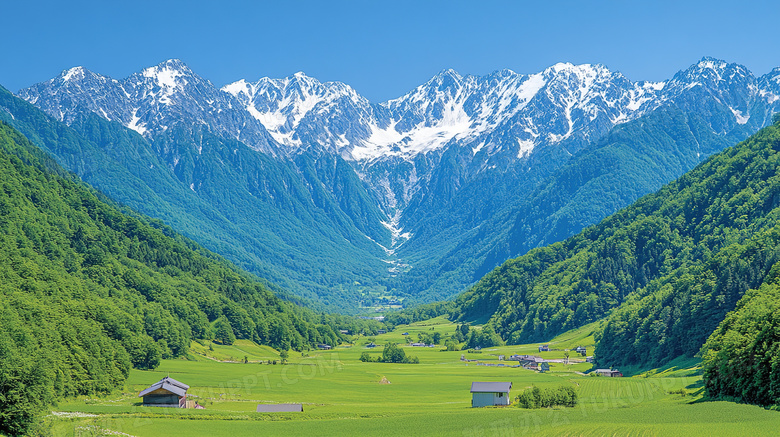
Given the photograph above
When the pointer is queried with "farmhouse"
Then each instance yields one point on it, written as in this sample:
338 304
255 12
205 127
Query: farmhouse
324 347
484 394
167 392
608 372
544 348
581 350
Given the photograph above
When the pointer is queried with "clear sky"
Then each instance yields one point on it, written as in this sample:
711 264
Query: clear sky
381 48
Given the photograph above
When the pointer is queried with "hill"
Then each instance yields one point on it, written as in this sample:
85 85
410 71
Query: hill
664 271
276 219
90 291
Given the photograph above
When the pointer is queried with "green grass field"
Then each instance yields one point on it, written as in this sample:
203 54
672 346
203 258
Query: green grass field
344 396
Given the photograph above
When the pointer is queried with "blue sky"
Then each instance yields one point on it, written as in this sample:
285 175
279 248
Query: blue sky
381 48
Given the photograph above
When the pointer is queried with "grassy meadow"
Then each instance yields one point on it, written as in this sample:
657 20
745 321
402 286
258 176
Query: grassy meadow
344 396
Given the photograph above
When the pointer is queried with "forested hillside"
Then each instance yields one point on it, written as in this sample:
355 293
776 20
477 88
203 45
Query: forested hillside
742 357
532 209
666 270
302 225
88 291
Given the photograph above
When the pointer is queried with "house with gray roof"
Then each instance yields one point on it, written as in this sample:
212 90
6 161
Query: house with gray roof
167 392
485 394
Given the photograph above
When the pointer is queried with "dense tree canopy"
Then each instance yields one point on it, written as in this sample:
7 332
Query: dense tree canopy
741 359
666 270
89 291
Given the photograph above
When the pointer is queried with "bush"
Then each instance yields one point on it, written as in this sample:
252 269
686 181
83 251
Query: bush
564 396
391 354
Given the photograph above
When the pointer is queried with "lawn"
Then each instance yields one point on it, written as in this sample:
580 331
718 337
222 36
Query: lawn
344 396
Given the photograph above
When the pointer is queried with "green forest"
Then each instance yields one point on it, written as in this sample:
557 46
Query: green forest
274 218
664 271
90 291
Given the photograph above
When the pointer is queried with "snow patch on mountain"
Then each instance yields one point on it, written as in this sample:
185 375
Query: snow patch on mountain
741 119
167 79
134 123
75 71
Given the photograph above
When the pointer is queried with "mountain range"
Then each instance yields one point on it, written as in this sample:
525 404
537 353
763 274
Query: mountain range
313 187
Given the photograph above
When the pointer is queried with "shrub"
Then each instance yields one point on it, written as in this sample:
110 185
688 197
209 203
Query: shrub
564 396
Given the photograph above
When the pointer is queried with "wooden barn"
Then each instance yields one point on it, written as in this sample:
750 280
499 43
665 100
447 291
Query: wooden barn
167 392
485 394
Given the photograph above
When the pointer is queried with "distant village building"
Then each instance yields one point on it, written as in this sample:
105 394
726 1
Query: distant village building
324 347
589 360
608 372
581 350
344 331
371 345
405 333
167 392
544 348
485 394
280 408
381 331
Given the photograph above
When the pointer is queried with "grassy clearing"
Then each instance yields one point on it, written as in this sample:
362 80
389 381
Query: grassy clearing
343 396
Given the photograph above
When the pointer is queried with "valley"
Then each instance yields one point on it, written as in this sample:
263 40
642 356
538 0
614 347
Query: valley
650 240
341 395
422 194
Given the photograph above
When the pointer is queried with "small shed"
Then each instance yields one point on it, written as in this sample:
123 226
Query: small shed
485 394
325 347
582 350
280 408
167 392
614 373
544 348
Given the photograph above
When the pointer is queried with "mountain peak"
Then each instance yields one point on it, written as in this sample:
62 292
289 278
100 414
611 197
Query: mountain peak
74 73
166 72
708 62
446 78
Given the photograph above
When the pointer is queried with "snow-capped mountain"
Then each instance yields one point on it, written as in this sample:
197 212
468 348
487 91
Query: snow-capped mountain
546 107
503 111
301 111
150 102
435 177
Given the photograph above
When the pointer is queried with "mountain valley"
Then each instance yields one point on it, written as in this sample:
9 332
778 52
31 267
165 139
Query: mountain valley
315 188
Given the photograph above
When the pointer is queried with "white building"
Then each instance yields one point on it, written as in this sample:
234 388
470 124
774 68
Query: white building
485 394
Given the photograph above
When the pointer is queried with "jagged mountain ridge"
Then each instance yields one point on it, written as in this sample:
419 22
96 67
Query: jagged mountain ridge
150 102
453 161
